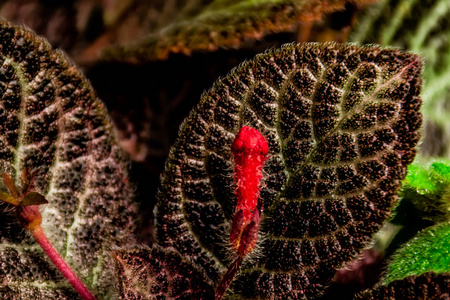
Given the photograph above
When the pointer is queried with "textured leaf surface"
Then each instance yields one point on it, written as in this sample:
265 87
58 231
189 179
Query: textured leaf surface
427 189
429 251
51 120
159 274
212 24
341 123
426 286
422 27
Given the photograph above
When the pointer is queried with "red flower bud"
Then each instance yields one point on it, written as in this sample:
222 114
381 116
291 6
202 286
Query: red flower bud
250 151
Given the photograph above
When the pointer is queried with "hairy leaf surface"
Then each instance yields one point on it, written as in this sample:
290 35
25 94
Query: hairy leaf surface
51 120
341 123
426 286
159 273
428 252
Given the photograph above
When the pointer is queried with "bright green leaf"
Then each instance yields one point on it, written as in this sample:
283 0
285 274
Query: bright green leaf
428 252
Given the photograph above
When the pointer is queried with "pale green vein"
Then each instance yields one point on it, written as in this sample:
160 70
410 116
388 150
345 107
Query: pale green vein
25 93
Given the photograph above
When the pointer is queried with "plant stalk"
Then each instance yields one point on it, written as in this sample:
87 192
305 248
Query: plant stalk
228 277
45 244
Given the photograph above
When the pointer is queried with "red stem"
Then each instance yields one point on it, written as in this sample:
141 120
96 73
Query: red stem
228 277
61 264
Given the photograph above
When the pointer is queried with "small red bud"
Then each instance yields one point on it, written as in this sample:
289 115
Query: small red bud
250 150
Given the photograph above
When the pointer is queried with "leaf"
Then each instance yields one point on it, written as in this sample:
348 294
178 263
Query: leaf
208 26
427 190
51 120
426 286
6 197
33 198
421 27
341 123
10 185
427 252
150 273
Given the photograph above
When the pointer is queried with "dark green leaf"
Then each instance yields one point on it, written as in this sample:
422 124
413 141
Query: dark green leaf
51 120
339 123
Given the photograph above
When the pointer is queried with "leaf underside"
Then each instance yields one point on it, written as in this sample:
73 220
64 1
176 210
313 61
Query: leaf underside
156 273
341 123
426 286
209 25
51 121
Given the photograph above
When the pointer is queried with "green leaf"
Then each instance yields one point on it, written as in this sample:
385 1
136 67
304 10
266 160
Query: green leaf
427 188
428 251
426 286
6 197
154 273
421 27
33 198
51 120
341 123
200 26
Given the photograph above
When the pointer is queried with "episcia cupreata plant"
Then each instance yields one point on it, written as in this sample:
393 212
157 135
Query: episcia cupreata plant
51 122
340 123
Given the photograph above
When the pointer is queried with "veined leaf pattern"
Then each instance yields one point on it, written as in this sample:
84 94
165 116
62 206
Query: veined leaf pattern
156 273
51 120
341 123
422 27
426 286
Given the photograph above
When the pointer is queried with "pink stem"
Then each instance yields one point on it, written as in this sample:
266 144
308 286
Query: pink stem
228 278
61 264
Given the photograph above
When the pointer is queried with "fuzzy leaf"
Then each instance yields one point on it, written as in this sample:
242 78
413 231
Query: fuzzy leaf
341 123
207 26
426 286
51 120
154 273
427 252
421 27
